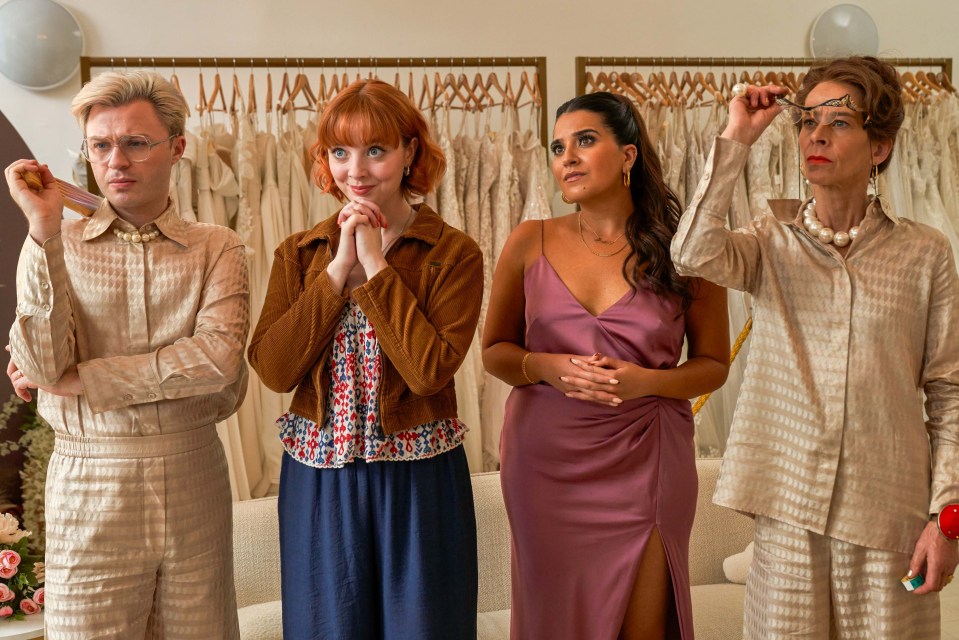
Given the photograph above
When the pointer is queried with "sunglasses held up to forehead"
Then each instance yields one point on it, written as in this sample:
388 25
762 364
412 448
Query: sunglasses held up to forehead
822 114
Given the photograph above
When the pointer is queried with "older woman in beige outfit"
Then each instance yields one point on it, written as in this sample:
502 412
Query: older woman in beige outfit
855 314
132 324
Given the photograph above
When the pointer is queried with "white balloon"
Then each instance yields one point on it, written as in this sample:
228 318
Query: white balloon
40 43
844 30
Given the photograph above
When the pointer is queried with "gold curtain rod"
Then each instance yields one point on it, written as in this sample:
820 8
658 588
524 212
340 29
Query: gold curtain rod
945 64
87 63
247 62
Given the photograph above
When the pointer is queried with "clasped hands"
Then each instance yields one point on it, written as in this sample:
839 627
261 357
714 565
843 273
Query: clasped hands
597 378
68 385
361 241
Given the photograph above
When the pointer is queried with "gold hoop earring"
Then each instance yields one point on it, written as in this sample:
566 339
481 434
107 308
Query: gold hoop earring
406 170
565 199
626 179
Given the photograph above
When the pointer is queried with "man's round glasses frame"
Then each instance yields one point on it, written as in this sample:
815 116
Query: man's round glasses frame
135 148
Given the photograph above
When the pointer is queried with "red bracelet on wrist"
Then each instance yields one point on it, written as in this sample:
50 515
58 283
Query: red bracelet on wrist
948 521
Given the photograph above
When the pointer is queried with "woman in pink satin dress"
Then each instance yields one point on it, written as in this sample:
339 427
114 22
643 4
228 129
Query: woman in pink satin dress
587 320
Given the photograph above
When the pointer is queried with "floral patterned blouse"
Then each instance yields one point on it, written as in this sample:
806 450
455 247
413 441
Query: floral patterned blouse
351 428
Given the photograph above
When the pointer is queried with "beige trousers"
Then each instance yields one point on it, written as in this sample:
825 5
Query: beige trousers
805 585
139 541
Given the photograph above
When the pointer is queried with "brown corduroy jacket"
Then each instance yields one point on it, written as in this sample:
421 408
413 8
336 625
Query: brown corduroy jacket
424 308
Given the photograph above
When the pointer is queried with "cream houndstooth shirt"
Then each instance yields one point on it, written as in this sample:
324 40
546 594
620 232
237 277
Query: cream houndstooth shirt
829 433
157 330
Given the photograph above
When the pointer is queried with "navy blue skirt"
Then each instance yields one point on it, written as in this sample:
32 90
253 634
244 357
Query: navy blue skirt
378 551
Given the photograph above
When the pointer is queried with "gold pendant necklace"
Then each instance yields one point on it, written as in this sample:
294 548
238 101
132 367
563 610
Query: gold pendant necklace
579 217
596 236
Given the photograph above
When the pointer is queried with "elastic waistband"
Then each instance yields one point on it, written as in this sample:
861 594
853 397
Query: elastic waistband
134 446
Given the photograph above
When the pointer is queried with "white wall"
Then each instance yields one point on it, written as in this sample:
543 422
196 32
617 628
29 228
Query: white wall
559 29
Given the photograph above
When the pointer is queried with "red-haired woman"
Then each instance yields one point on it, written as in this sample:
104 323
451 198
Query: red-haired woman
368 315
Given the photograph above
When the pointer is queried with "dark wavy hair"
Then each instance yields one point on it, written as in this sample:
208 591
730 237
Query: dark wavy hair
656 209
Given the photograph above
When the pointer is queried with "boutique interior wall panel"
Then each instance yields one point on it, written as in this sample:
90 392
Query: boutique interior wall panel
559 29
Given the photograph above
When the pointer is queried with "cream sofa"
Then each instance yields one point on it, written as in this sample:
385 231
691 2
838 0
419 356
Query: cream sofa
717 534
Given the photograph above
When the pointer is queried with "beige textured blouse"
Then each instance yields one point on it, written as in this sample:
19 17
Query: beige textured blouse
829 433
157 329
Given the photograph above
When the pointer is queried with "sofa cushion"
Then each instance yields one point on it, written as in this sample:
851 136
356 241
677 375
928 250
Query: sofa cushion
256 551
718 611
493 625
262 621
492 543
736 567
717 532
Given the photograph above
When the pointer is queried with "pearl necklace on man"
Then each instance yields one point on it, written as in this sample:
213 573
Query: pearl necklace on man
823 233
135 237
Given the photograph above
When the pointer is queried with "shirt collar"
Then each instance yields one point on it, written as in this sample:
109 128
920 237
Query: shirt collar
169 223
426 226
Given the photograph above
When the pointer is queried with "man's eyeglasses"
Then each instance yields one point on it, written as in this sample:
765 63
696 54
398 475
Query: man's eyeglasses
822 114
133 148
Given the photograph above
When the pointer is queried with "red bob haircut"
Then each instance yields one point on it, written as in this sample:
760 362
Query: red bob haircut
373 112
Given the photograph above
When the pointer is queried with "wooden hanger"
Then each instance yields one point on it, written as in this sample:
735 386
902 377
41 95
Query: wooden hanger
217 92
590 82
641 86
201 99
322 93
511 95
175 81
300 86
628 88
411 87
235 94
426 93
660 85
285 89
478 88
476 100
492 82
944 81
532 86
251 106
910 87
269 92
929 81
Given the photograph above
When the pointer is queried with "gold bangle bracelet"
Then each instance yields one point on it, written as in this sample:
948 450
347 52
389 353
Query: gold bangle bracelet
523 367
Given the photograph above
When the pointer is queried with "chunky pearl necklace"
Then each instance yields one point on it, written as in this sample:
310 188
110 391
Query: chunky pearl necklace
135 237
823 233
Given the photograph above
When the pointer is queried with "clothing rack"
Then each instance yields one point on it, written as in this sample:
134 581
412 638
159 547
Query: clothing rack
582 62
419 62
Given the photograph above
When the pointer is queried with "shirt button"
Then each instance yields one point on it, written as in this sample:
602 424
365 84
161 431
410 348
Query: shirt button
153 396
44 285
46 307
127 396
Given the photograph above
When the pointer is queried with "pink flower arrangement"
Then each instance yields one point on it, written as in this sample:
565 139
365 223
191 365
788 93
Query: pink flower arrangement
21 574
